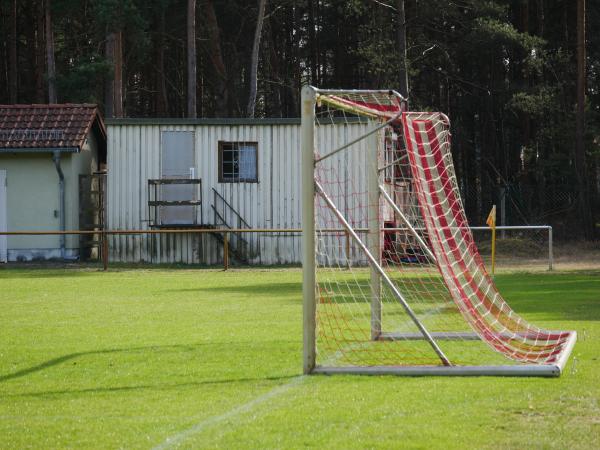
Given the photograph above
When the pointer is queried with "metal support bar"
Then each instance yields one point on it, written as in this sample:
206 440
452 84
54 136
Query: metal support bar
439 336
359 91
384 275
397 161
419 239
354 141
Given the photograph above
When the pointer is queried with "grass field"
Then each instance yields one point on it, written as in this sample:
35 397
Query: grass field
162 358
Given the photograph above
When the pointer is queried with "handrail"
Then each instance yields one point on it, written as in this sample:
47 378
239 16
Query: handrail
231 208
223 223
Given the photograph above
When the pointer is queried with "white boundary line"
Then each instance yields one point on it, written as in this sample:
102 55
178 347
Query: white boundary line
177 438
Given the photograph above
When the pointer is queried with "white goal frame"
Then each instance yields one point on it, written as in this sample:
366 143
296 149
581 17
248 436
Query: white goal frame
311 188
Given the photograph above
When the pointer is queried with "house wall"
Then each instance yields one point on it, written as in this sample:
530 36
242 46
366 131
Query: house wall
274 202
83 163
33 200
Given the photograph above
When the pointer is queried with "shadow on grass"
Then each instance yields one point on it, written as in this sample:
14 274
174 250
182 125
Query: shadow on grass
556 296
270 289
117 389
561 296
6 274
71 356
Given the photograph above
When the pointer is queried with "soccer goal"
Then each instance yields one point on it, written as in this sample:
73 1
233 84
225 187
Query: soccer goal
393 282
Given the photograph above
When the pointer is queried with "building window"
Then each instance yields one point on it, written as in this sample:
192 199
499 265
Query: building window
238 162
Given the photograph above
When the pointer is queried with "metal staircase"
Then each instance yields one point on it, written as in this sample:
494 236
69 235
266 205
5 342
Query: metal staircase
225 216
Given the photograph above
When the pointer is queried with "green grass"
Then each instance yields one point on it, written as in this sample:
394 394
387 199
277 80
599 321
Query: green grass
129 358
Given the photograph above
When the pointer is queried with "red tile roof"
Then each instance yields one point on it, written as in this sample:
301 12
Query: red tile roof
48 126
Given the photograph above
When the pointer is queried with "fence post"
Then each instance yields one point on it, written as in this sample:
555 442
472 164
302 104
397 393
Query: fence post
550 249
225 250
104 251
348 257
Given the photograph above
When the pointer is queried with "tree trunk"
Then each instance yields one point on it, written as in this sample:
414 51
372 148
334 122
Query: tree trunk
580 160
216 57
401 39
312 44
109 91
276 101
162 101
114 84
118 74
191 59
12 55
254 60
50 55
40 55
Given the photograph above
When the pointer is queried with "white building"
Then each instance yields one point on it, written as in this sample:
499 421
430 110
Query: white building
246 173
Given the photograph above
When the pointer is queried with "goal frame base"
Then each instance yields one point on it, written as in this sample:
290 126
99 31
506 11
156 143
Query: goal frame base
546 370
517 370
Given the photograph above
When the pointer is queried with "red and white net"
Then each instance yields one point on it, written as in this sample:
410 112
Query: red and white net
433 277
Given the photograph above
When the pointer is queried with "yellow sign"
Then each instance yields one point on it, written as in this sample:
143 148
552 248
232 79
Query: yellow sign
491 221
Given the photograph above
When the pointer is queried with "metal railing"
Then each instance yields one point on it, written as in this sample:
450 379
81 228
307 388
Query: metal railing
228 232
226 216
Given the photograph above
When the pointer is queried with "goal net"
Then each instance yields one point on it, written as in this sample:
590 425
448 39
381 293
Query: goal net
393 280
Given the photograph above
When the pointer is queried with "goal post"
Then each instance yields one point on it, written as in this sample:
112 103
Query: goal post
392 280
308 98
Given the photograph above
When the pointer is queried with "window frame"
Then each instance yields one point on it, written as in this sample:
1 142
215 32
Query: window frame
222 179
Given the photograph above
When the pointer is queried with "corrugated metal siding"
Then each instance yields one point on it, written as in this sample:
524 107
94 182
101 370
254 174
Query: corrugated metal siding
273 202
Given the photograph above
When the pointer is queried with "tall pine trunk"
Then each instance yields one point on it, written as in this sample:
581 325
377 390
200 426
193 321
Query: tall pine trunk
254 61
401 40
162 101
580 159
216 57
114 83
40 52
50 55
13 65
191 59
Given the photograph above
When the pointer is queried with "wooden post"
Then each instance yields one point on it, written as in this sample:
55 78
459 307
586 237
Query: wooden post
104 251
225 250
348 256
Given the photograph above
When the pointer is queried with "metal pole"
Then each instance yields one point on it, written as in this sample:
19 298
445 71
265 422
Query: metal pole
309 278
385 277
550 249
364 136
225 250
247 230
374 236
419 239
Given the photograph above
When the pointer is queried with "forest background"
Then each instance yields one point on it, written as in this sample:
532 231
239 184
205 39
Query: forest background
517 78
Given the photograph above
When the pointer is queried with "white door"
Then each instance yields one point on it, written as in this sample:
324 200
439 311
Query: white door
3 250
176 161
